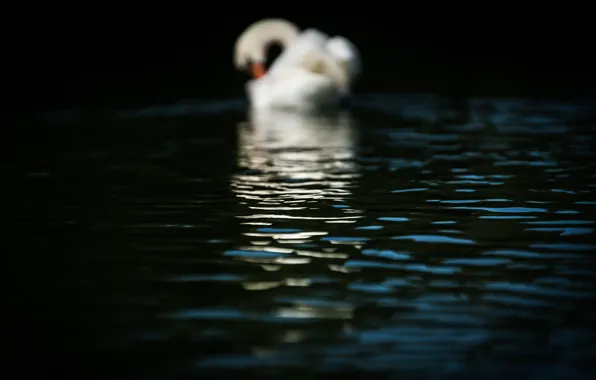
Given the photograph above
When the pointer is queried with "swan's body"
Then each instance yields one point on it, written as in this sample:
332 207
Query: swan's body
313 71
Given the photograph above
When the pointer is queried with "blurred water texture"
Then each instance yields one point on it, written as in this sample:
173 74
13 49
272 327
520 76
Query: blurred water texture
413 236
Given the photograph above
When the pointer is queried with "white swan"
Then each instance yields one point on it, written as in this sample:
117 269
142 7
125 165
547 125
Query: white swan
313 71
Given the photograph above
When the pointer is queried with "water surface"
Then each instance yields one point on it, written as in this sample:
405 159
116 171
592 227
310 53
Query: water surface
415 236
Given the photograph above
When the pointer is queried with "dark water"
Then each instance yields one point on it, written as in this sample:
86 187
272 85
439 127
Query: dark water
417 236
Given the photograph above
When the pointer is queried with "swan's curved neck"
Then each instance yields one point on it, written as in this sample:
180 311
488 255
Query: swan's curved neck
251 46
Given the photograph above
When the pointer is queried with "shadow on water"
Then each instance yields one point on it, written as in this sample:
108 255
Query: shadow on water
416 236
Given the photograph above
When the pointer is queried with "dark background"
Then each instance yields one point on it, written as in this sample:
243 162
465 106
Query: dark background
109 55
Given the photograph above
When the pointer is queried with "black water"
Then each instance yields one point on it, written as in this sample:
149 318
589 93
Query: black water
416 236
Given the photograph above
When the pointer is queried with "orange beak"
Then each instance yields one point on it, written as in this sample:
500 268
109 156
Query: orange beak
257 69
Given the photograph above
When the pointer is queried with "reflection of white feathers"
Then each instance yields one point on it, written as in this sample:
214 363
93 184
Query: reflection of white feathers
297 144
313 70
300 166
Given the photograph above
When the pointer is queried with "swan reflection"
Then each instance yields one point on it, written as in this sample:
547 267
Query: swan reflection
293 158
295 180
298 146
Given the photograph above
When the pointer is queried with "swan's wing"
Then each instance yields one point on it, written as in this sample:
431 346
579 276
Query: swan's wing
336 58
346 53
308 41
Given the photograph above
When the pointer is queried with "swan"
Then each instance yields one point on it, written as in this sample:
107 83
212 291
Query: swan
313 71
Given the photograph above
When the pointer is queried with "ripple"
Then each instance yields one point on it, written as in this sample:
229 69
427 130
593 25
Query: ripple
537 290
431 269
503 209
479 261
572 222
370 288
565 246
273 216
434 239
387 254
277 230
344 239
372 228
529 254
255 254
410 190
370 264
505 217
206 313
569 231
393 219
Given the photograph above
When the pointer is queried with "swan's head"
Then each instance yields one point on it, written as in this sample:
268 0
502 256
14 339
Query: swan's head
250 52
